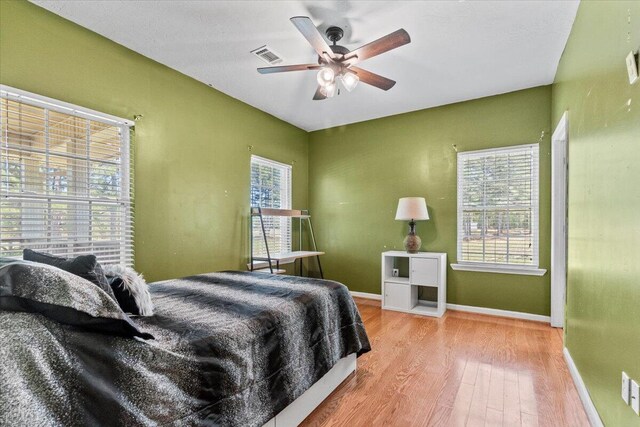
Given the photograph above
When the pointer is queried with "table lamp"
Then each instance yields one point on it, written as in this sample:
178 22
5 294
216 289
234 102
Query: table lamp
412 209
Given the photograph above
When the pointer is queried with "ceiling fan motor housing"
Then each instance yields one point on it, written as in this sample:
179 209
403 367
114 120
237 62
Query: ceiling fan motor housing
337 49
334 33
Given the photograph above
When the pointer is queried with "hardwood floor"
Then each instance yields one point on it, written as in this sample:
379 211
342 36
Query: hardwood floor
461 370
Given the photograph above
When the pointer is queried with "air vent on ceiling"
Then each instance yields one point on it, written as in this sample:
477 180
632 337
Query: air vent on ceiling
267 55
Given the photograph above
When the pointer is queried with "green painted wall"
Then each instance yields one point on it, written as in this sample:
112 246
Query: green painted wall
603 292
358 172
192 173
191 147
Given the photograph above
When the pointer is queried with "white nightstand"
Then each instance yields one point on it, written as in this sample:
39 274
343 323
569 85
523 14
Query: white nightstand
427 269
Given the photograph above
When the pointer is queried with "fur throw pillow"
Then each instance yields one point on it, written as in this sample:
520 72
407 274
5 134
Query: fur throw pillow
131 290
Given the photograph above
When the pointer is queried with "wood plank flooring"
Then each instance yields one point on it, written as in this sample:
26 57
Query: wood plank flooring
461 370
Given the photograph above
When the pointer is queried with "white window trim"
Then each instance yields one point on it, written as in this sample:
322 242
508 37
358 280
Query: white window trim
60 106
261 264
528 270
498 268
52 104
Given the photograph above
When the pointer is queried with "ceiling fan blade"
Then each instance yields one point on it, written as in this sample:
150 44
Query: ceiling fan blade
373 79
382 45
319 95
284 68
313 36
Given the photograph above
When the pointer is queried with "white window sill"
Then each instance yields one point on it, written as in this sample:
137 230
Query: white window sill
525 271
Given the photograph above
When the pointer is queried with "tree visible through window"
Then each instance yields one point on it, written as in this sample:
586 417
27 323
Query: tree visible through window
271 188
498 206
64 180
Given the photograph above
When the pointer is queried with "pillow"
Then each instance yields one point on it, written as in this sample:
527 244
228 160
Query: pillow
130 289
63 297
85 266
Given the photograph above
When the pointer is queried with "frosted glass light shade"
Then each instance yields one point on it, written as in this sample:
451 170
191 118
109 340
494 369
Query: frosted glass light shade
412 208
326 77
349 81
329 90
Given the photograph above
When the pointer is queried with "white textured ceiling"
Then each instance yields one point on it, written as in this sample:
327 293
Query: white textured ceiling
459 50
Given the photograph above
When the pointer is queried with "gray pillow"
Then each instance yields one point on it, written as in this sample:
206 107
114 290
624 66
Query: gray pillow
85 266
63 297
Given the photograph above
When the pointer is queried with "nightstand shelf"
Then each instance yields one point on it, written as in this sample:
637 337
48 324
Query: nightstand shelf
398 280
424 269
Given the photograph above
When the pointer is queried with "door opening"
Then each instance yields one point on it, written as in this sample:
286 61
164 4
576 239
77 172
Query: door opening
559 188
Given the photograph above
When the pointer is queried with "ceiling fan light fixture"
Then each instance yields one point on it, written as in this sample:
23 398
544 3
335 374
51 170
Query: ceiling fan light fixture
337 62
328 90
349 80
326 76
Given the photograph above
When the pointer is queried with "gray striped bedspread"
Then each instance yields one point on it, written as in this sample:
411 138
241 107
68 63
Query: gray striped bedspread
230 349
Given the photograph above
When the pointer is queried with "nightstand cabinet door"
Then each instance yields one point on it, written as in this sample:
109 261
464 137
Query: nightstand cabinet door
424 271
399 296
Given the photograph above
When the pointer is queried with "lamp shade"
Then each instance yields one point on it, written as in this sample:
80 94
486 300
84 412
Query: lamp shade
412 208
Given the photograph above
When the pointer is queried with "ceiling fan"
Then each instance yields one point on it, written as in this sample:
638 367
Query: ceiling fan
336 62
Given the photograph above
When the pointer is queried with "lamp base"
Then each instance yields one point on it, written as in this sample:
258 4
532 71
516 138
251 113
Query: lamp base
412 242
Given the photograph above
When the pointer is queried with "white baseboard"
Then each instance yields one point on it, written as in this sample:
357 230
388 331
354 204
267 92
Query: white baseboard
501 313
589 407
473 309
366 295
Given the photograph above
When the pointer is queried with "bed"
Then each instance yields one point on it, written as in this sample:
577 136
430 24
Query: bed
229 349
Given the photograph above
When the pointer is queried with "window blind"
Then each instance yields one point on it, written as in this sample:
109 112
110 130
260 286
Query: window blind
498 206
65 180
271 188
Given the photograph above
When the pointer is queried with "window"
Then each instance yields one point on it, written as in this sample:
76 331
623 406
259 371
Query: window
65 184
498 209
271 188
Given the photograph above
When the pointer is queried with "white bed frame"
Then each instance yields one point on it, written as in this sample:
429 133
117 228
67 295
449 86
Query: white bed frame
300 408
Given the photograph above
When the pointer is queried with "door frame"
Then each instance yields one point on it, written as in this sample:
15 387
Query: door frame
559 220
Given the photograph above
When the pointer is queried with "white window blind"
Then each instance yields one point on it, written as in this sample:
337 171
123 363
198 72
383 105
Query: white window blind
271 188
498 206
65 180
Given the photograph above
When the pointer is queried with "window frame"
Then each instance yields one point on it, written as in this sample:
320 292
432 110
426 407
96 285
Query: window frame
289 189
532 269
126 247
